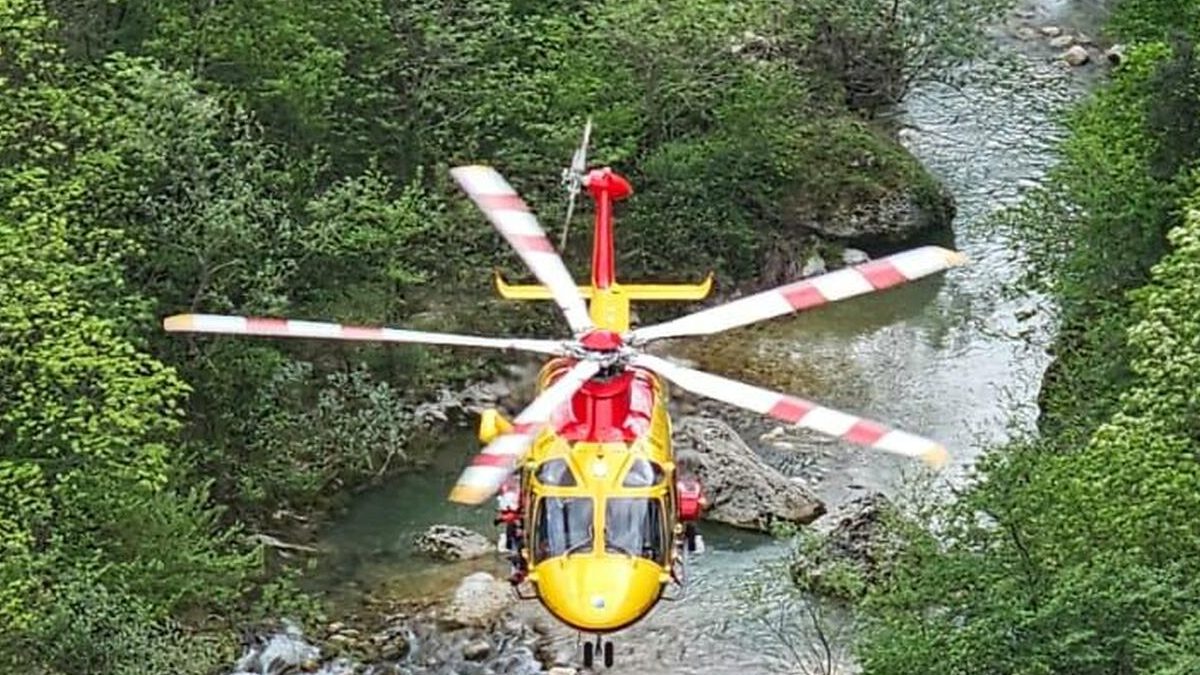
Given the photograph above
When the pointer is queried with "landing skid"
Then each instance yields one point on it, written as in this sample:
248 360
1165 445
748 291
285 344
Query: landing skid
598 647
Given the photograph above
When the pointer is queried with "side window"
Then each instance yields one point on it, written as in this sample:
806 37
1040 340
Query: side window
564 525
555 472
643 473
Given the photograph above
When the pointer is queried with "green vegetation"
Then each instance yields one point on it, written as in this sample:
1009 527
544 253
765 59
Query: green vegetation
159 156
1076 550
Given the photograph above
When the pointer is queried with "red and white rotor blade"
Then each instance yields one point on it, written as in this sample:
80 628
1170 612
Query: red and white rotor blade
868 277
496 462
798 411
247 325
511 216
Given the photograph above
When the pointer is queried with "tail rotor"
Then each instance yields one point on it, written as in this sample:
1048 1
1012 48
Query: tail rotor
573 179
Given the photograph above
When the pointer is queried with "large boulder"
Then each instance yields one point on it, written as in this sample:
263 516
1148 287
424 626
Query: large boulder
855 553
871 189
479 600
741 489
894 217
451 542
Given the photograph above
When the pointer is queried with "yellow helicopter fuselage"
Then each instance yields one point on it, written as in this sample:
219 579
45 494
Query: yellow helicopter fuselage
598 488
600 503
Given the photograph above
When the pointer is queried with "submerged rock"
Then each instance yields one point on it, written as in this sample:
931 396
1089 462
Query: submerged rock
742 490
451 542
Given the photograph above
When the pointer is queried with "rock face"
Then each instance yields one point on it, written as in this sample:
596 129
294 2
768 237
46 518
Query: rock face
896 217
854 553
451 542
741 489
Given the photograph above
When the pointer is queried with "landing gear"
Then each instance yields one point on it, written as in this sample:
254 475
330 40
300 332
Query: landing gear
600 645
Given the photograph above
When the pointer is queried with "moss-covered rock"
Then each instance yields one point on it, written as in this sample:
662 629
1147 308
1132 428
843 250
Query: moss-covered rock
852 556
868 186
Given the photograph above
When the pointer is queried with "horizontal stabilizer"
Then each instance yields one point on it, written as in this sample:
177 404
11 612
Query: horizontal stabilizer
629 291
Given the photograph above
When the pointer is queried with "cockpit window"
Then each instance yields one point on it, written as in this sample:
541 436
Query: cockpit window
635 526
564 525
555 472
643 473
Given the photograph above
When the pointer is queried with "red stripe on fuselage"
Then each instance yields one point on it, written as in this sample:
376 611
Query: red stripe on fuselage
613 411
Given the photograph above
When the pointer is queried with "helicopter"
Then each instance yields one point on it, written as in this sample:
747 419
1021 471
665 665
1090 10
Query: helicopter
598 515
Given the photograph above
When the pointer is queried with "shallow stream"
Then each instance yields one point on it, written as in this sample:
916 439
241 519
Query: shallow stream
958 358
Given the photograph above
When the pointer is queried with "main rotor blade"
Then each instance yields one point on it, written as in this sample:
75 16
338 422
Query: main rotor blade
798 411
868 277
511 216
494 463
244 325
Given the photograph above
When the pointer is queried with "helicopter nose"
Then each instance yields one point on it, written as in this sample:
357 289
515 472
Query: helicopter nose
599 592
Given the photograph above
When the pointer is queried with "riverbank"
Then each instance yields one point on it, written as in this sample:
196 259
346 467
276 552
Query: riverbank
1071 550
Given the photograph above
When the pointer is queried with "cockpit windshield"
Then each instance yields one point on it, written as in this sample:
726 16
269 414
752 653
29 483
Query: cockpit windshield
634 526
564 525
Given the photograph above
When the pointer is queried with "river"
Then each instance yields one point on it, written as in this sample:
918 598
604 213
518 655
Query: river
958 358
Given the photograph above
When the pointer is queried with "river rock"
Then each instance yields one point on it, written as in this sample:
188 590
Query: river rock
477 650
1051 31
451 542
1076 56
1114 54
1062 41
855 553
853 256
741 489
479 600
814 264
898 216
278 653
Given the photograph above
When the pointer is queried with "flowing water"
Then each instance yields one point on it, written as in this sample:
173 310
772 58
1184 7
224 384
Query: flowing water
958 358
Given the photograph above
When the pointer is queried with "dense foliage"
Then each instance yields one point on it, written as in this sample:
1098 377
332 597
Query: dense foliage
159 156
1076 551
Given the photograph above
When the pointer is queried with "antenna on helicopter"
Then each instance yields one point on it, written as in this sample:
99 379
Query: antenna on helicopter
572 179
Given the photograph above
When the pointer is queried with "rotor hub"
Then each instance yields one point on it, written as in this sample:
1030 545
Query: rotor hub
602 341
